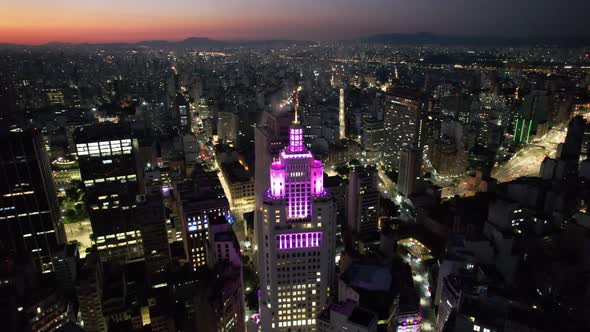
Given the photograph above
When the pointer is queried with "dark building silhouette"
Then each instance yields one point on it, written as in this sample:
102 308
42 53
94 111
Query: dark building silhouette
30 222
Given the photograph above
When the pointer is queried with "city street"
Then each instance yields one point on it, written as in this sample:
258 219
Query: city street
527 161
420 275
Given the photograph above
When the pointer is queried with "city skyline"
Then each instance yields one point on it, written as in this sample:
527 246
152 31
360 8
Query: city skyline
35 22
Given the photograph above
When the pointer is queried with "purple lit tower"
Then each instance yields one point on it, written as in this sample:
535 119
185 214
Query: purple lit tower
296 235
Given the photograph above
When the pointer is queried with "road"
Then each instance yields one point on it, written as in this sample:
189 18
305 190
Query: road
420 275
527 161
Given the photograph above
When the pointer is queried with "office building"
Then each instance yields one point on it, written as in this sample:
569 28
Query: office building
341 116
403 124
196 199
109 169
89 290
30 222
240 184
296 238
372 138
533 119
228 266
228 127
409 171
362 206
150 217
183 114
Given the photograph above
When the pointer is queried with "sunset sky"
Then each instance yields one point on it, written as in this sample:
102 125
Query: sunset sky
41 21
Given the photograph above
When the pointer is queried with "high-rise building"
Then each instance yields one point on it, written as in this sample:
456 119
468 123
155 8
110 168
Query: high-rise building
533 119
404 124
409 171
270 138
296 238
362 206
89 291
341 116
183 115
197 199
228 265
150 216
30 222
109 169
228 127
373 135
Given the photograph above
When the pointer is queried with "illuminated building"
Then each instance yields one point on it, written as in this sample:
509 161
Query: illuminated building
109 170
228 127
372 137
341 116
362 206
89 291
30 222
197 199
240 185
65 172
403 124
296 238
55 97
270 138
183 115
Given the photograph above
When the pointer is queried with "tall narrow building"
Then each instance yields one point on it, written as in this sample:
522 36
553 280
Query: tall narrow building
362 203
409 170
296 237
403 122
341 116
30 223
270 137
183 115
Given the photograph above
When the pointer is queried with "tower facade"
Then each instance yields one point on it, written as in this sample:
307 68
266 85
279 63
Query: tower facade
296 237
341 116
109 168
30 222
404 121
362 203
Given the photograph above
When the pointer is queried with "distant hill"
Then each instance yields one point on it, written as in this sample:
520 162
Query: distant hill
193 42
426 38
197 43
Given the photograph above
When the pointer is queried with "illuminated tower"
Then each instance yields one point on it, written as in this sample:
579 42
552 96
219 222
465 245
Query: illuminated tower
341 117
295 240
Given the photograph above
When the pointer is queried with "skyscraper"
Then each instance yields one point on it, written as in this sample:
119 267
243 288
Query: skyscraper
362 207
403 123
109 169
29 211
341 116
183 115
409 171
296 237
270 138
